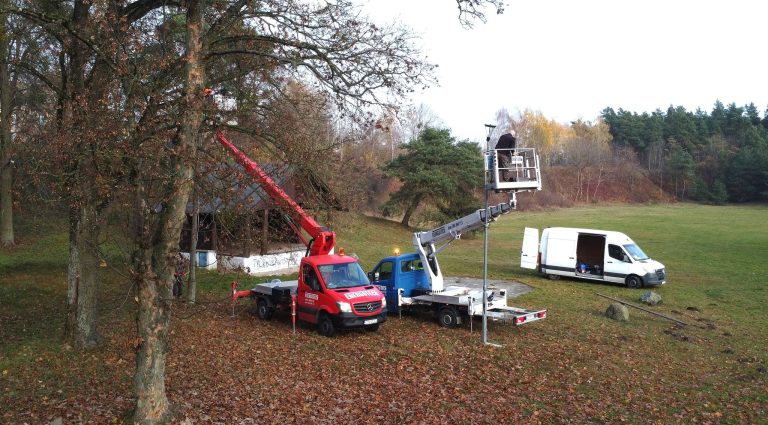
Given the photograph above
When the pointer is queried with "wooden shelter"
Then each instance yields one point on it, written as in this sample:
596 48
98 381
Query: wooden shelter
237 219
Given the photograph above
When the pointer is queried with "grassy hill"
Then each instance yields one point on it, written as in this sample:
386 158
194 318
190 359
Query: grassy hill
576 366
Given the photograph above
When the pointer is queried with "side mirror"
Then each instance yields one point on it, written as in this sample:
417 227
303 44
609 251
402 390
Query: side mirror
373 277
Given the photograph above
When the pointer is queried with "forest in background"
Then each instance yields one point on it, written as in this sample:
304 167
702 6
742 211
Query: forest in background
631 157
621 156
715 157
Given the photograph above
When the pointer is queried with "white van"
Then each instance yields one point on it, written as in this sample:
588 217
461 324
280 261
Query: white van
590 254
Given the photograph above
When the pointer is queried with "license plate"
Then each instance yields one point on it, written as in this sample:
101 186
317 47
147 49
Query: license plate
369 321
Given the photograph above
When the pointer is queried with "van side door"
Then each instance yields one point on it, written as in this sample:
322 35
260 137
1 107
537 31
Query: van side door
530 253
386 282
617 264
560 257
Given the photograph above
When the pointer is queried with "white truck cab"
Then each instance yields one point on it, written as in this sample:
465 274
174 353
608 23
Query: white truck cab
590 254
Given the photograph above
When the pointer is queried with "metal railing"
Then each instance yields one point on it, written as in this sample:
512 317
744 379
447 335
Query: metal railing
512 169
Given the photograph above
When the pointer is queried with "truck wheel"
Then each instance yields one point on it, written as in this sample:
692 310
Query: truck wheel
448 317
634 282
263 310
325 325
372 328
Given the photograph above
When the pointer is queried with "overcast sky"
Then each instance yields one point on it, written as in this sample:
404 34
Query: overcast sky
570 59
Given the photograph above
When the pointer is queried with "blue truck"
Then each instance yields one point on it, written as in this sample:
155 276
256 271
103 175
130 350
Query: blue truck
414 281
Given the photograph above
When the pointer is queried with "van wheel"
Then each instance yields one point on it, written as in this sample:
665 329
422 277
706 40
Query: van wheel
634 282
448 317
325 325
553 276
263 310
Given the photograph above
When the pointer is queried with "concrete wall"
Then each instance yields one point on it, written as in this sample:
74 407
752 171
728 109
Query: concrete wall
260 265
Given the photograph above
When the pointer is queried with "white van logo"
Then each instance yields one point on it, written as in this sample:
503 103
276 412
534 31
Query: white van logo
311 296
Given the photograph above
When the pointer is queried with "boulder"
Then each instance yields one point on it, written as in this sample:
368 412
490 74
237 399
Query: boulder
617 311
650 298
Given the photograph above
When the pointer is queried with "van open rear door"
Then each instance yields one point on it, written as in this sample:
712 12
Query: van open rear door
529 256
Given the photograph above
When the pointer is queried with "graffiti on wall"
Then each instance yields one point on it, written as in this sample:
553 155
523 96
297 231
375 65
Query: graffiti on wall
280 261
264 264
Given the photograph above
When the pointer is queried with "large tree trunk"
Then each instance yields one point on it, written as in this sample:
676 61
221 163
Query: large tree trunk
87 334
73 277
410 209
152 321
154 262
6 202
80 330
6 169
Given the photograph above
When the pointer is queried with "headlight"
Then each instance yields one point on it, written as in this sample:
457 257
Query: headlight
383 302
344 307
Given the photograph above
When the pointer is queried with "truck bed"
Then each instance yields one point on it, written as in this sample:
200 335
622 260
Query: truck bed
454 295
496 309
278 290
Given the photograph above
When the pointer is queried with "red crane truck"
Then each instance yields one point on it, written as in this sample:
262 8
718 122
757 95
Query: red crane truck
332 290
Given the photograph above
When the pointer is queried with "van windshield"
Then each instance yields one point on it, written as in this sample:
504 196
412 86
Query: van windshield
636 253
343 275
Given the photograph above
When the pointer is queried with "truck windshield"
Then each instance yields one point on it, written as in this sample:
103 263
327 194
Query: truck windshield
343 275
636 253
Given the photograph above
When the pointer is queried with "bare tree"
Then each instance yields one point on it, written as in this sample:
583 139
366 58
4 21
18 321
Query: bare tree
504 121
415 119
472 10
328 47
6 109
157 240
588 150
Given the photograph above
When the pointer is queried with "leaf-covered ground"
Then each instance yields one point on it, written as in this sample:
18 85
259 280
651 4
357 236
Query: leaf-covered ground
241 370
576 366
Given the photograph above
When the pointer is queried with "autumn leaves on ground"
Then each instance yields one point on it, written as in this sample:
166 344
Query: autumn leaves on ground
574 367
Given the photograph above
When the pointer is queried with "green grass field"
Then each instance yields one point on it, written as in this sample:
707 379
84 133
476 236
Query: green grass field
576 366
714 255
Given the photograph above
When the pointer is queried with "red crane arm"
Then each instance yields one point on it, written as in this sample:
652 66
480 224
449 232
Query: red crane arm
323 239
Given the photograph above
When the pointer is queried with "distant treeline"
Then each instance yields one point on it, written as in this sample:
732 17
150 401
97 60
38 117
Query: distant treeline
711 157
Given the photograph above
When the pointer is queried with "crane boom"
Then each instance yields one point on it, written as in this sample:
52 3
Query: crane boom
323 239
424 242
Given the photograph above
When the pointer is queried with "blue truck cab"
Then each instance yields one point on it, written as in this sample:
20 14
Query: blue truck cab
404 272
